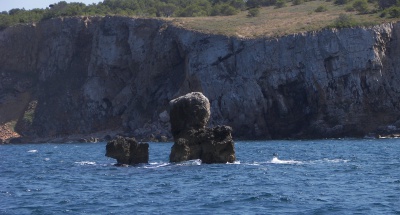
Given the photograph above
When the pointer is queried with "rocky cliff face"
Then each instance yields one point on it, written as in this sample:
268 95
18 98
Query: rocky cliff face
73 76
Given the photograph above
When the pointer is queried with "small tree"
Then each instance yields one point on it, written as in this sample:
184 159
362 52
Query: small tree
238 4
166 9
394 12
15 11
321 8
297 2
344 21
253 12
341 2
387 3
280 3
5 21
361 6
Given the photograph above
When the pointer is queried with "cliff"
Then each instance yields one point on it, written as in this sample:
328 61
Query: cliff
85 75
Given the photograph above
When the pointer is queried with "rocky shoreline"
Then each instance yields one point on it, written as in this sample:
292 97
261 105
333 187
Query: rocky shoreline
383 133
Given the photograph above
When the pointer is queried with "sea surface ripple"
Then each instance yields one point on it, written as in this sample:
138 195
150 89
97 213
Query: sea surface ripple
344 176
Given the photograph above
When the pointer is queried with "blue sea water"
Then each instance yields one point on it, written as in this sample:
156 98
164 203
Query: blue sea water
344 176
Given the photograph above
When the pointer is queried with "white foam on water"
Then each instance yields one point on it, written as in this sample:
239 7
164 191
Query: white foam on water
33 151
235 162
327 160
254 164
335 160
195 162
276 160
156 165
86 163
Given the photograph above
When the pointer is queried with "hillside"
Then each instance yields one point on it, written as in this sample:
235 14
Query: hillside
251 18
291 19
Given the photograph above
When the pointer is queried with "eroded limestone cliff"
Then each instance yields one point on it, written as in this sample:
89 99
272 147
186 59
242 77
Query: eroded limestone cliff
69 76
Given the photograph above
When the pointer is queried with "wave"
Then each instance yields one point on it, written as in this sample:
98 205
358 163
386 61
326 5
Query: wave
195 162
83 163
327 160
33 151
156 165
235 162
276 160
335 160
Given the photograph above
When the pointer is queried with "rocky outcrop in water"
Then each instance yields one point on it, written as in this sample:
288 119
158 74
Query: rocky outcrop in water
127 151
189 115
84 75
191 111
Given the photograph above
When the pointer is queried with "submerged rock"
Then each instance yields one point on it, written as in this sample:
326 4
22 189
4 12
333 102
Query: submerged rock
127 151
189 115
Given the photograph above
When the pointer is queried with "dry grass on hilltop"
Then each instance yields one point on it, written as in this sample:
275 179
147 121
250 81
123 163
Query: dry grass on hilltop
273 22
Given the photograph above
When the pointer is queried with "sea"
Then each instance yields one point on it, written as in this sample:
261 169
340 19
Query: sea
335 176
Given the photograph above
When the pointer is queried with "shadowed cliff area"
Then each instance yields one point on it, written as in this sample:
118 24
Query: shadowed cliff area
86 75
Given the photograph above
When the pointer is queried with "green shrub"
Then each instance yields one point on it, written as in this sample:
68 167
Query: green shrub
361 6
394 12
387 3
253 12
342 2
297 2
260 3
280 3
321 8
223 10
344 21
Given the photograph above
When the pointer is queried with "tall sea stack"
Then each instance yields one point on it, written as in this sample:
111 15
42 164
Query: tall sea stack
189 115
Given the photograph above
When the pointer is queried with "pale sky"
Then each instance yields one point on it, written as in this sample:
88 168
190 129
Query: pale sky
6 5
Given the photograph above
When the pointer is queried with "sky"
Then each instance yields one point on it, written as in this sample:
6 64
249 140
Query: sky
6 5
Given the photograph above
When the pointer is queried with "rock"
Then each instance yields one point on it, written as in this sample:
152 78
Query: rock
164 116
163 138
211 145
191 111
189 115
81 140
93 140
127 151
107 137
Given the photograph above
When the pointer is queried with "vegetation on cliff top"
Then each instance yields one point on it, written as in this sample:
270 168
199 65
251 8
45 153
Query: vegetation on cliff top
243 18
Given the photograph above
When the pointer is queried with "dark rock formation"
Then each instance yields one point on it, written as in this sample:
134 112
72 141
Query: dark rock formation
191 111
127 151
211 145
189 115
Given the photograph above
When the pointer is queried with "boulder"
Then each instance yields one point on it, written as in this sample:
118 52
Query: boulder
189 115
210 145
191 111
127 151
